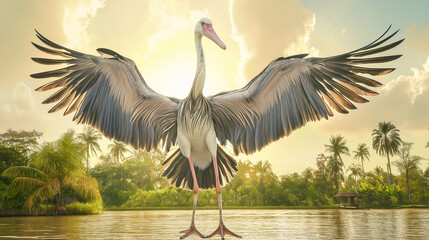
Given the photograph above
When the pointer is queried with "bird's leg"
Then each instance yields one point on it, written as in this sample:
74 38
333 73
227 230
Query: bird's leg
221 230
192 229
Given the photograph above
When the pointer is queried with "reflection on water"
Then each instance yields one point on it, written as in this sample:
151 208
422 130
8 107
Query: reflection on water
251 224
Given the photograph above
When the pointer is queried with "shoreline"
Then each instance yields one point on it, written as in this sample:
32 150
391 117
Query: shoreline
258 208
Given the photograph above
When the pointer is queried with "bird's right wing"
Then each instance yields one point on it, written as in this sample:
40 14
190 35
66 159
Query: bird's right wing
294 90
109 94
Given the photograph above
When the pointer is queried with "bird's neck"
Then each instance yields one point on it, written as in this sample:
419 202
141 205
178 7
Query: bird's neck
200 75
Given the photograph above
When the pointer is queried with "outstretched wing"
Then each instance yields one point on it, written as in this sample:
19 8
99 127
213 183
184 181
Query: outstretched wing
109 94
292 91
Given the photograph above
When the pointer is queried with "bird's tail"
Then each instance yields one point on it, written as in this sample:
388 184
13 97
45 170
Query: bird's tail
180 175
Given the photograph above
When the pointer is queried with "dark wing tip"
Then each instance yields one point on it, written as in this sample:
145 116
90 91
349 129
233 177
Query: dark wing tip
106 53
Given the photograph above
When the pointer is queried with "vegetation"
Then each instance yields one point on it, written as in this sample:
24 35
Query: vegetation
336 148
52 179
361 153
386 141
56 178
90 138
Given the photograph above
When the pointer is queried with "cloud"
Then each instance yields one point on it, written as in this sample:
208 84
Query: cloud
417 38
266 30
404 100
22 102
414 83
76 21
22 97
303 43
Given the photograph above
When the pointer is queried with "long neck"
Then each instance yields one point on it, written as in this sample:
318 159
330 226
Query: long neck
200 75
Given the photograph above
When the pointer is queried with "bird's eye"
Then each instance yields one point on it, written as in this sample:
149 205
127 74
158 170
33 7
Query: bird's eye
202 24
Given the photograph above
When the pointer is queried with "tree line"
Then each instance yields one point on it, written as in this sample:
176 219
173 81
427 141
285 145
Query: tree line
49 178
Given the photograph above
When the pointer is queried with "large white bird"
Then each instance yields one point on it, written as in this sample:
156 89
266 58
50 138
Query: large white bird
110 94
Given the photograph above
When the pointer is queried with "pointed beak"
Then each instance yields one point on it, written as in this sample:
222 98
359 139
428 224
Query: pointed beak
210 33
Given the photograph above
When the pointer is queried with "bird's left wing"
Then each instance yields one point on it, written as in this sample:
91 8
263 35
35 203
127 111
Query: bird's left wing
110 94
292 91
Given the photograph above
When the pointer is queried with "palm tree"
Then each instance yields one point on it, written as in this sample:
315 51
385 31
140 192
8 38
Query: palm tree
146 168
106 159
337 147
57 166
355 171
118 150
407 163
386 141
335 171
378 171
361 153
335 164
90 138
263 171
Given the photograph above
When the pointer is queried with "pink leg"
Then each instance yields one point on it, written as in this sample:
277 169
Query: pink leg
221 230
192 230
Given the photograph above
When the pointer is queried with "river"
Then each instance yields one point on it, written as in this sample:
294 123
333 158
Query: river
250 224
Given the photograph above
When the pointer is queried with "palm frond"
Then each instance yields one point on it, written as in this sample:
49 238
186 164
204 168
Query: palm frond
23 171
47 192
26 183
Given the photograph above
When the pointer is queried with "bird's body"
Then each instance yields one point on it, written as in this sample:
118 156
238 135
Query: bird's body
196 136
110 94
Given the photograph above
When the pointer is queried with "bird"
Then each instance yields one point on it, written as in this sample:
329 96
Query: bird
109 93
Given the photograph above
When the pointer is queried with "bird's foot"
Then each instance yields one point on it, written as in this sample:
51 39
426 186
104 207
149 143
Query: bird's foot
222 231
191 230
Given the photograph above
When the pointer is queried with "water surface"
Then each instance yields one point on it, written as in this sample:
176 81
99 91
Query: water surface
251 224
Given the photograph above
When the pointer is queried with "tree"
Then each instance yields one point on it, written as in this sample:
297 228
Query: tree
335 164
117 150
337 147
17 147
378 171
361 153
335 171
407 163
355 171
90 138
57 166
263 172
146 169
386 142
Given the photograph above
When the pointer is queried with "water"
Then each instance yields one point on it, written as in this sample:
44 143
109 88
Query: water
251 224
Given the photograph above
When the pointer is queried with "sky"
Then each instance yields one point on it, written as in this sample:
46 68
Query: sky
158 36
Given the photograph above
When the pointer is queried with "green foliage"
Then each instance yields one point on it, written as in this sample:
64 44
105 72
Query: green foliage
335 164
386 142
16 148
119 181
117 151
55 177
408 166
113 180
378 194
90 138
78 208
41 178
361 153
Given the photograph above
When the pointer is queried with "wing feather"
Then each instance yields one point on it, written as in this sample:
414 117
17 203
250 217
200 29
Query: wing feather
110 94
295 90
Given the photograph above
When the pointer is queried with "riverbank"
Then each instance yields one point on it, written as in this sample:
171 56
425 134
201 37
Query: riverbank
250 207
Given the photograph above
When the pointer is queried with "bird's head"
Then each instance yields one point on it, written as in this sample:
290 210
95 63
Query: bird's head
204 27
